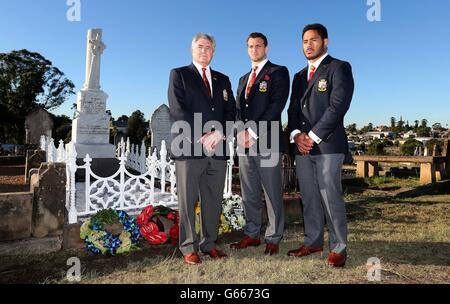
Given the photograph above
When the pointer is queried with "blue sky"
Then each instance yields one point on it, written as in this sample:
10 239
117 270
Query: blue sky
401 64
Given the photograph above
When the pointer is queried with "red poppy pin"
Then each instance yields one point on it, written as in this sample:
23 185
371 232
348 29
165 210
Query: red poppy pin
266 77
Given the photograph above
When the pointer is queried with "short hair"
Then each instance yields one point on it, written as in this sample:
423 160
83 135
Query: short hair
199 36
321 30
258 35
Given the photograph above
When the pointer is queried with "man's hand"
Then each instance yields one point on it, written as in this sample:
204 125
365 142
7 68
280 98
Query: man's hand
245 140
210 140
304 143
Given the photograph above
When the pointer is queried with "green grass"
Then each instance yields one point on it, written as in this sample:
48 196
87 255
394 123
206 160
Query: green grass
410 235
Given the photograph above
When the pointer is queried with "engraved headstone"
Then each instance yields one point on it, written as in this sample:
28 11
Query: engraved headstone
90 128
160 125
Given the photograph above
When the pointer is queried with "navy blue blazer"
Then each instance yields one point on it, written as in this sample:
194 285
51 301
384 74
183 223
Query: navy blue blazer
266 101
188 95
321 105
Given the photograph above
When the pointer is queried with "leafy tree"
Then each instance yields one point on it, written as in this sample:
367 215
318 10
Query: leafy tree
62 128
137 127
410 146
435 142
423 132
352 128
387 142
393 121
367 128
376 147
27 81
424 123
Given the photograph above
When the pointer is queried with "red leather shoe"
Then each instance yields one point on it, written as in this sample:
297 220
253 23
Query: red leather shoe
245 242
216 254
304 251
192 259
336 259
271 249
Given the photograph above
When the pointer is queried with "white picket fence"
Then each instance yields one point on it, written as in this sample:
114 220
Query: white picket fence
123 190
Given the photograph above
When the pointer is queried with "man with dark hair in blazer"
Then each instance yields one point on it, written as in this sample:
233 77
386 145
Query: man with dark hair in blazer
201 101
262 96
321 96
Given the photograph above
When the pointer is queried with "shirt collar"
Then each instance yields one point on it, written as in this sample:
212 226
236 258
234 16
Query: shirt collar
199 67
260 65
318 62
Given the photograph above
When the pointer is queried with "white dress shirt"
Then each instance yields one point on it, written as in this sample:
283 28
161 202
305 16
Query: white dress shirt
207 72
311 134
260 66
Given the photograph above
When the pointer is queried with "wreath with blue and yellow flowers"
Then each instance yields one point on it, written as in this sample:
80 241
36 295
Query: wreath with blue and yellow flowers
110 232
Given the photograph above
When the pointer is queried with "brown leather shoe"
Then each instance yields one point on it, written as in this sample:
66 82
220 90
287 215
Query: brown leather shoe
303 251
245 242
271 249
336 259
216 254
192 259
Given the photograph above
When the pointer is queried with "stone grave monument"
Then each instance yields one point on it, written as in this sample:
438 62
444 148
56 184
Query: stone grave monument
38 122
90 128
160 125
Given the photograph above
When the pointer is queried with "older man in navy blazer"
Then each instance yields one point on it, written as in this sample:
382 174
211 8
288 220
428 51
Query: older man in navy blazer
321 96
201 102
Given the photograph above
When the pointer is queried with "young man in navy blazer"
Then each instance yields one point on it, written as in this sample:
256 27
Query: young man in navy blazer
321 96
262 96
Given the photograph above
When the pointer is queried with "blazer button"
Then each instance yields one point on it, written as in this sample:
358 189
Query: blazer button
212 109
246 105
246 120
303 123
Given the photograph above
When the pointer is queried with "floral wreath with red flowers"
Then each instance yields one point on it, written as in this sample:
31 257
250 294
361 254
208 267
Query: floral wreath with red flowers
153 229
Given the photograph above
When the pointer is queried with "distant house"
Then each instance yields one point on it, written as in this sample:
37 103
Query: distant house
378 135
409 134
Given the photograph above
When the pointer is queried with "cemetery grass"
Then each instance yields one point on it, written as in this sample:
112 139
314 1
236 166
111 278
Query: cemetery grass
409 233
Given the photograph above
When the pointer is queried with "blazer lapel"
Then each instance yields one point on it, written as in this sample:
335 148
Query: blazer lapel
322 68
215 85
243 86
199 81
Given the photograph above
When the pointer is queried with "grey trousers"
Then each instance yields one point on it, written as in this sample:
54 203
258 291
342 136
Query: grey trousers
204 179
319 177
254 178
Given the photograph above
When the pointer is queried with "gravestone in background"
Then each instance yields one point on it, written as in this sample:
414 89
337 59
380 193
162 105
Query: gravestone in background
39 122
160 125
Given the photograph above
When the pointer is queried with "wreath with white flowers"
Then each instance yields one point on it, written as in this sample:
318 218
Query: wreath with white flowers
233 211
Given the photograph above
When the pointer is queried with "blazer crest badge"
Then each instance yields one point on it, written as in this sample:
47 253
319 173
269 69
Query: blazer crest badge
323 85
263 86
225 95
